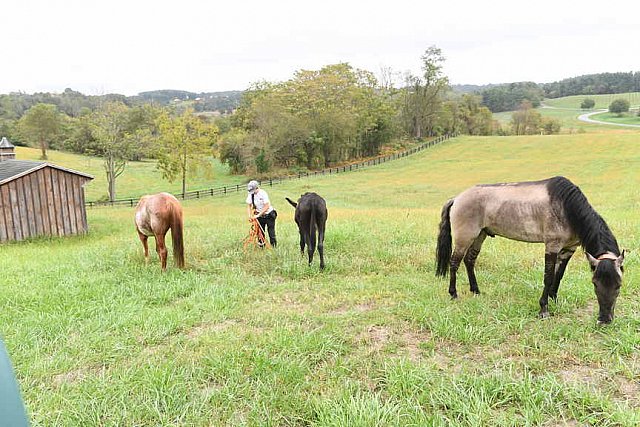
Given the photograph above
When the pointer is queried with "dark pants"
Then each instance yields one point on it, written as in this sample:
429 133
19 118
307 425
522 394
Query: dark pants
268 224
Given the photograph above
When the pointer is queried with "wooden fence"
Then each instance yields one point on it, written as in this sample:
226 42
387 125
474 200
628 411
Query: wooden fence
229 189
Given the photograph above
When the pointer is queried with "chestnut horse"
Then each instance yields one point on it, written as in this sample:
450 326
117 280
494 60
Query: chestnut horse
155 215
554 212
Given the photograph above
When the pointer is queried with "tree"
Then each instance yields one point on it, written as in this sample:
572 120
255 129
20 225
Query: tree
587 103
423 95
526 121
40 126
112 141
185 141
619 106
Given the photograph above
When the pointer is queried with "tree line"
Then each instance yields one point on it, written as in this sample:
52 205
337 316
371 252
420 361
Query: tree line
508 97
180 141
340 113
316 119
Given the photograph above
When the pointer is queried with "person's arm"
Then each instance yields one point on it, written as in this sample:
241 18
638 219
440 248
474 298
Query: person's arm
249 211
264 209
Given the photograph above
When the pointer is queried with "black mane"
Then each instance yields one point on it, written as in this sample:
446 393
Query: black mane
594 233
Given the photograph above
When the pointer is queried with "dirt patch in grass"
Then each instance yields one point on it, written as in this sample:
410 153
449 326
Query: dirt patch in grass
76 375
207 328
629 390
359 308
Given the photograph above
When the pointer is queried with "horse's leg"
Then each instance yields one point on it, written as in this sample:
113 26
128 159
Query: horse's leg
311 247
145 245
321 244
550 258
563 259
462 242
302 244
470 261
161 248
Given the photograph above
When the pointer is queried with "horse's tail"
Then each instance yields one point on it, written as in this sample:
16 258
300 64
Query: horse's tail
443 250
291 202
177 236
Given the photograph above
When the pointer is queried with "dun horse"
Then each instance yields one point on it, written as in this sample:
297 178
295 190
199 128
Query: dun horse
554 212
311 214
155 215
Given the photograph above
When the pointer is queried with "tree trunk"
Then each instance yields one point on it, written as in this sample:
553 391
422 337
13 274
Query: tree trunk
111 178
184 174
43 149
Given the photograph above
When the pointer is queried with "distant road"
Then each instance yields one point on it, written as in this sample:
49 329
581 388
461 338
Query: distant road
587 117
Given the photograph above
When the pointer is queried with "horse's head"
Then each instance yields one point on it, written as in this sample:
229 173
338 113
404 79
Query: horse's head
607 278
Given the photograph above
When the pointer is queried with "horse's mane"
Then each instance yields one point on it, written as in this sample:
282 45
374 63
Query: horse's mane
594 233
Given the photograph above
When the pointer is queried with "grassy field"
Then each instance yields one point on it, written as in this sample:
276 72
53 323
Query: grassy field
602 101
567 110
630 118
258 338
139 178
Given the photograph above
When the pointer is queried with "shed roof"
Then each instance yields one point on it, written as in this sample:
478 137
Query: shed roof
4 143
13 169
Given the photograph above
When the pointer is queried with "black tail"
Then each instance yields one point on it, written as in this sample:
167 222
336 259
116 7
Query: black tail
443 251
294 204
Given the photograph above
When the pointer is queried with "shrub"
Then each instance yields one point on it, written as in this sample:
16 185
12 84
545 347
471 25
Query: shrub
619 106
587 103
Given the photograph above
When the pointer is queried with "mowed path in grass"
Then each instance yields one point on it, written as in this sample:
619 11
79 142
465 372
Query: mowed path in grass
259 338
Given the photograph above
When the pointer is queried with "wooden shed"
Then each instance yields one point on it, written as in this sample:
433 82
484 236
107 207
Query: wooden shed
40 199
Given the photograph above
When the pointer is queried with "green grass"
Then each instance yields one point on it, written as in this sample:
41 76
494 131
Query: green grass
630 118
602 101
258 338
139 178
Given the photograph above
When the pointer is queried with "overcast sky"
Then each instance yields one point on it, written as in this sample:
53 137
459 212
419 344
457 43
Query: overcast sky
131 46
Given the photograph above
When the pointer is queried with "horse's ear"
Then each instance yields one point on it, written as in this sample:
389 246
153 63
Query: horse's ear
620 259
294 204
592 261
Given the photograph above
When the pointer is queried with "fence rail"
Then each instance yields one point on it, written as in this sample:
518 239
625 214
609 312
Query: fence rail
228 189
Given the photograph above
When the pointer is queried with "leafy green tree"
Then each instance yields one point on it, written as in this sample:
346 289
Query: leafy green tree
185 142
233 150
550 126
423 95
619 106
112 141
40 126
526 121
588 103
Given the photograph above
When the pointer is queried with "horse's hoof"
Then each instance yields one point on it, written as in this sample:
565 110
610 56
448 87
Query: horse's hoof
544 315
454 296
475 293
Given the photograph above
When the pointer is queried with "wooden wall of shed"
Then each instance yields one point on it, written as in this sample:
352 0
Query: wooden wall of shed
47 202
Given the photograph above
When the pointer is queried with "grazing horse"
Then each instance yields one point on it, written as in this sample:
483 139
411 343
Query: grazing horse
155 215
311 214
554 212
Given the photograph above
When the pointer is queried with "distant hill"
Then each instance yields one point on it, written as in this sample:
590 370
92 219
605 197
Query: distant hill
471 88
224 102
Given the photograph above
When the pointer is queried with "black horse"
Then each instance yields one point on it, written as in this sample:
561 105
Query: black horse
311 215
554 212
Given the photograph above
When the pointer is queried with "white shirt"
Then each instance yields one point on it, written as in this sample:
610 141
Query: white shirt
261 198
